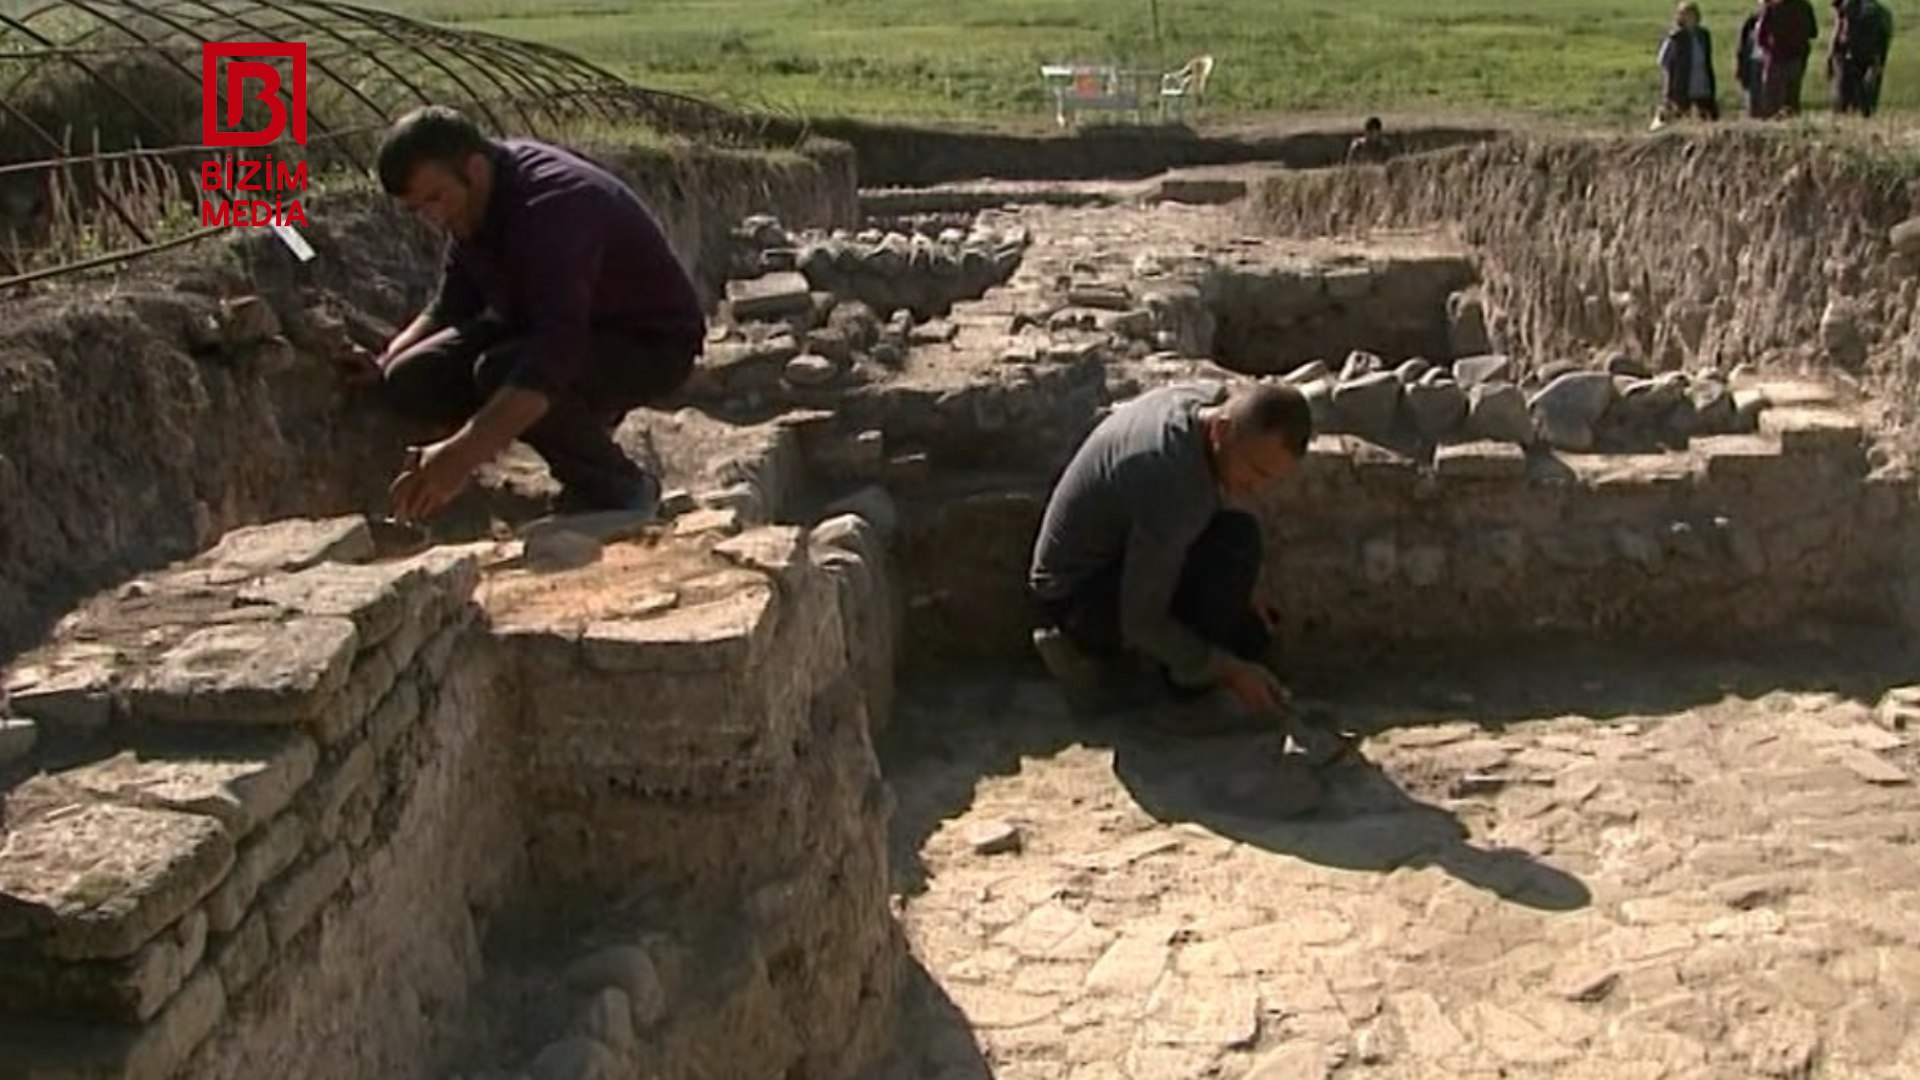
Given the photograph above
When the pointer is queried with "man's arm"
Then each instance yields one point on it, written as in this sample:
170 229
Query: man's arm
456 298
561 259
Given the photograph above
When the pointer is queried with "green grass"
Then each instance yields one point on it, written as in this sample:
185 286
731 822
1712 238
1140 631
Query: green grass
978 59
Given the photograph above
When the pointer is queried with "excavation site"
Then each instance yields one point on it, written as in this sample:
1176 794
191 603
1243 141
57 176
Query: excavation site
1603 550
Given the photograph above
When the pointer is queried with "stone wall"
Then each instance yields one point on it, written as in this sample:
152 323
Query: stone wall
1683 249
1272 318
141 420
262 772
1735 539
270 772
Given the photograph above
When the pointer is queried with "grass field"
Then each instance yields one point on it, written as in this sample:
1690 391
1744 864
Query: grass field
977 60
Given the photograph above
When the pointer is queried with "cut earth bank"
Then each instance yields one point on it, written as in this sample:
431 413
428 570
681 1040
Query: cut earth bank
627 819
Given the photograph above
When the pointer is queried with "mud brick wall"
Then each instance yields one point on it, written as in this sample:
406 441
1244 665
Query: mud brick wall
265 775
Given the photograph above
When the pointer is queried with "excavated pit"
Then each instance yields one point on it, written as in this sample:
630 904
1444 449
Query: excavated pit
630 818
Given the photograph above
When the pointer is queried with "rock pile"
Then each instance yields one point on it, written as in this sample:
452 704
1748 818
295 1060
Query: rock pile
1617 407
921 272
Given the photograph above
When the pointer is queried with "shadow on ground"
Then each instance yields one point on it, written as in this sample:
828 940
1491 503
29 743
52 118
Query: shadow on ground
1351 816
935 1037
954 730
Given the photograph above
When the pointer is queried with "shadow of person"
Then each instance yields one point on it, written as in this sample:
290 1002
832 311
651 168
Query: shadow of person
933 1039
1350 816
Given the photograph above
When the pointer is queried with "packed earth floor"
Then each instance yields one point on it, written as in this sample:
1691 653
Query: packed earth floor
1578 867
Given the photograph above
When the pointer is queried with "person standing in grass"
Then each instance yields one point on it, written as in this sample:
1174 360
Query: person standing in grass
1749 62
1862 35
1686 68
1786 34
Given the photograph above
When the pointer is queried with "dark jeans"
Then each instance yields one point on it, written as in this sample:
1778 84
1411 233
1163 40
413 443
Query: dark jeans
450 374
1781 81
1859 88
1705 108
1214 597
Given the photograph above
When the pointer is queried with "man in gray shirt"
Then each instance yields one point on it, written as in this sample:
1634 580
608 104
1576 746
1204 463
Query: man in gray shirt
1138 552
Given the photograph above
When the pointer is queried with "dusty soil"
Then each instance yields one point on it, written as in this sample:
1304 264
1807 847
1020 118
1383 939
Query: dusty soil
1591 866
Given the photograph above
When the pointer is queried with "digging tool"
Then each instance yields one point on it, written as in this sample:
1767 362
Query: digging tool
1326 746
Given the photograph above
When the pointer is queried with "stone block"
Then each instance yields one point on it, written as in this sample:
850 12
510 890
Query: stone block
1481 460
717 636
628 968
72 690
127 990
396 713
17 737
1347 284
775 551
243 787
294 901
41 1049
1737 457
576 1058
100 880
260 860
244 954
328 797
249 673
770 296
370 595
346 714
294 544
1807 429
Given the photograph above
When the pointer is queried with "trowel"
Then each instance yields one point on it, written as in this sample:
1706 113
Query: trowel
396 539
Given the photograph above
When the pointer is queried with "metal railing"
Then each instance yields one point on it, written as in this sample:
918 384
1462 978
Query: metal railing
123 77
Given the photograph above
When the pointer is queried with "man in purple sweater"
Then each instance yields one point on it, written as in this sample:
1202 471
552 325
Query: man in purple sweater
560 309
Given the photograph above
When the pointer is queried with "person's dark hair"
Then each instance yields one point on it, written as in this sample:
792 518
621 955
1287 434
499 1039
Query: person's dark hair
430 133
1273 409
1372 125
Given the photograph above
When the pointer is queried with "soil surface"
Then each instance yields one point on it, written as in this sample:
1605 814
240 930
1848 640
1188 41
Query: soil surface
1590 865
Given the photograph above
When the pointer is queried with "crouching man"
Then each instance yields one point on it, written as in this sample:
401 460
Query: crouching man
560 309
1140 556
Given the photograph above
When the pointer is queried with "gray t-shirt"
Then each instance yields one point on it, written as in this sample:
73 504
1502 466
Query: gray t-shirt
1137 493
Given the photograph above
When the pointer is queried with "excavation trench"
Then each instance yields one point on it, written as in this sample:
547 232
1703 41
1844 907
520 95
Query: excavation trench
628 818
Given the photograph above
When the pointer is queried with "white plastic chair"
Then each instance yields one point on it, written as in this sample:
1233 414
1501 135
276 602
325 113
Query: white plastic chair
1187 84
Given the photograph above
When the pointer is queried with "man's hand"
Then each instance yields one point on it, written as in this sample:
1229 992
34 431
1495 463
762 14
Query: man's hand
358 367
1253 686
1269 614
433 477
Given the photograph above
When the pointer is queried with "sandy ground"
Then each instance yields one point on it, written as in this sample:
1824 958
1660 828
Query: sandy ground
1590 866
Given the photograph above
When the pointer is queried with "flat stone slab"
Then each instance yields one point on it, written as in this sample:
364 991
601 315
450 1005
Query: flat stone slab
97 879
242 791
294 544
277 672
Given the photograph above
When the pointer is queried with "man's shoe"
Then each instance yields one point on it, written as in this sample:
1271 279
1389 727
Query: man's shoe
1092 686
600 521
1316 746
644 498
